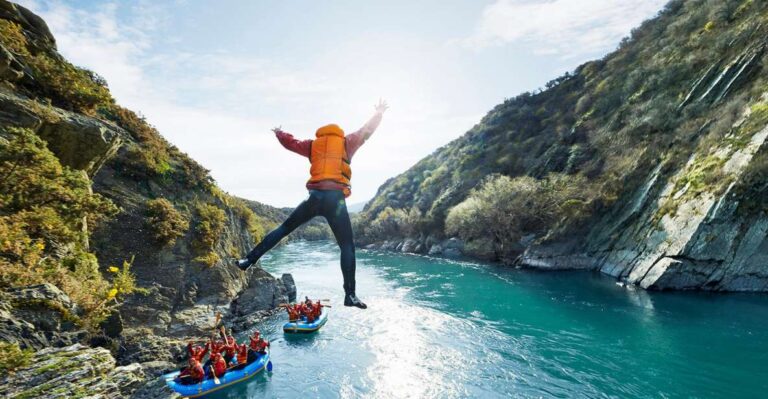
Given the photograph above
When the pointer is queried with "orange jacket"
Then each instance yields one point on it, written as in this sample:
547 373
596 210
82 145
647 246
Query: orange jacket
242 354
352 142
328 157
219 365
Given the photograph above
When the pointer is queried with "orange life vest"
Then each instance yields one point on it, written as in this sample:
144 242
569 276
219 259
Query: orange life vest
328 157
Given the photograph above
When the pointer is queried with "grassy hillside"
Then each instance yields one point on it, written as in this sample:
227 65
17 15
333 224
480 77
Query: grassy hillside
543 166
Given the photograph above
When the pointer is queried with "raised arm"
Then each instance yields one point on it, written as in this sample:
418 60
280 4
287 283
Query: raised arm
356 139
367 130
301 147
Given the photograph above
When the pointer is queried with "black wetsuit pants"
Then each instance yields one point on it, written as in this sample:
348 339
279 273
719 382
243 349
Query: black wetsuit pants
331 205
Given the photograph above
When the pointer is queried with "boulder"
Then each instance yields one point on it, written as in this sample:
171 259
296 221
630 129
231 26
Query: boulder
155 388
152 310
39 316
389 245
197 320
10 68
112 326
290 286
142 346
409 245
128 378
79 141
264 292
70 372
435 250
452 247
14 329
33 25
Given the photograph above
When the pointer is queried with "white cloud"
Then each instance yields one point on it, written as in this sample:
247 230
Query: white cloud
569 28
218 104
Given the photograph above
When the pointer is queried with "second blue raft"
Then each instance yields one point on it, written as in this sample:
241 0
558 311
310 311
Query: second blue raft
302 327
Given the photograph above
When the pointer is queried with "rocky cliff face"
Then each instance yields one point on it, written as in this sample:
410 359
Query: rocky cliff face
711 241
180 255
73 371
119 153
654 157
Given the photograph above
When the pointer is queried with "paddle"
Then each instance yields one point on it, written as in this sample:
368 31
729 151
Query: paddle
213 373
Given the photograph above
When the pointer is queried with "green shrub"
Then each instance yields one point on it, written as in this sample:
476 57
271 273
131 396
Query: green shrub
12 357
209 226
73 87
123 281
165 222
44 207
503 210
12 37
315 232
68 86
253 223
151 156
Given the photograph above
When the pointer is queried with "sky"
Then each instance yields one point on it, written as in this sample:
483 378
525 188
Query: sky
215 77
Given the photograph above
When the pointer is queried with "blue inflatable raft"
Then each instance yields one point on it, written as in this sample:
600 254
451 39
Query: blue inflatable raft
302 326
229 378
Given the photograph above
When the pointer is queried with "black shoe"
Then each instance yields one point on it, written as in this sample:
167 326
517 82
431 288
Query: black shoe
243 264
352 300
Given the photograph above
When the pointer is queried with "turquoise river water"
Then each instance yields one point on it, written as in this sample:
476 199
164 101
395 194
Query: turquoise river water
445 329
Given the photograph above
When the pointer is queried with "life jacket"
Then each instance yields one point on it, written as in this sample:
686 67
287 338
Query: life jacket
196 352
196 371
260 345
328 157
219 365
230 348
242 354
216 347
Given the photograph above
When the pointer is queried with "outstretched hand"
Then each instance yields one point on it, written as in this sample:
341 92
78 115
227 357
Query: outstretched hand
277 130
381 106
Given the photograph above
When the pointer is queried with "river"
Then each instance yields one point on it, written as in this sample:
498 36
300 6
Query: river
446 329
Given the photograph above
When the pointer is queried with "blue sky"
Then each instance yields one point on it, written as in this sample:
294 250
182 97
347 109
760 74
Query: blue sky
214 77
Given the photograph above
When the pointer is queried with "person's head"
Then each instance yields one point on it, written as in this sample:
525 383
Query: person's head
330 130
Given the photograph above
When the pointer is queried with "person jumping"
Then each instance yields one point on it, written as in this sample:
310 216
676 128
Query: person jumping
330 154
